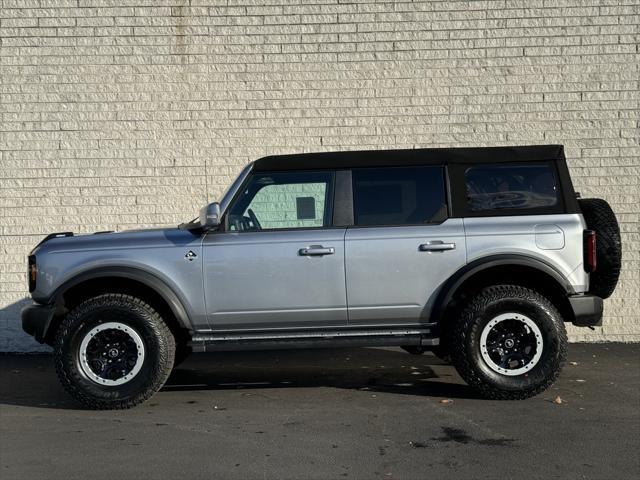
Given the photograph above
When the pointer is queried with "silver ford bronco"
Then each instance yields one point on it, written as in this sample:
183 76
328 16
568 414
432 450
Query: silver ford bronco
478 254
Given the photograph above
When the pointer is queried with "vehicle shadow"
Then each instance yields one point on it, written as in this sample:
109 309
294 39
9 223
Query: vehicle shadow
375 369
30 380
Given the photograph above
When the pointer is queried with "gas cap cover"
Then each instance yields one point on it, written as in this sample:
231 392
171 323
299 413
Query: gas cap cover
549 237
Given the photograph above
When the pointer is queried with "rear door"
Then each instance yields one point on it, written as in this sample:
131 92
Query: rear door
403 245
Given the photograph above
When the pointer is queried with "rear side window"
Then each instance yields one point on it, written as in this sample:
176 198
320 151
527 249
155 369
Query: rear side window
505 187
399 196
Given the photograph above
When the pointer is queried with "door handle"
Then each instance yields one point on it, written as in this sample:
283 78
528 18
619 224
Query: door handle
316 250
436 246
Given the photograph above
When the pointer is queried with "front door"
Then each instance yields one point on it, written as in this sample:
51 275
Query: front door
402 247
278 263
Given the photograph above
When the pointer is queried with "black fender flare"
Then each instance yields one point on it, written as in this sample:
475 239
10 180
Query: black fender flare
148 279
450 287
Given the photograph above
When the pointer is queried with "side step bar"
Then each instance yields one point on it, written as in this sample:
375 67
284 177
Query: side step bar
314 339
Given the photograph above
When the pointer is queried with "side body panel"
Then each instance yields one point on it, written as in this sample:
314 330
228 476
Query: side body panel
553 239
390 279
255 280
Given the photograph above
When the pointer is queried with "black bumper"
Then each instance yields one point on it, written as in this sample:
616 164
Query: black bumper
36 320
587 310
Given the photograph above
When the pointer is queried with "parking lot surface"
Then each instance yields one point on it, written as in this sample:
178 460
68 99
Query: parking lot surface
343 413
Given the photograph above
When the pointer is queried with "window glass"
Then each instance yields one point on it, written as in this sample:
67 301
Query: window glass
496 187
283 200
399 196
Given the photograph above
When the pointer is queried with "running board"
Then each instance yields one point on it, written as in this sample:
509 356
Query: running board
314 339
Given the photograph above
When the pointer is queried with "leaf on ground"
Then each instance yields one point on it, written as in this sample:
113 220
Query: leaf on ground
446 401
418 444
573 363
557 400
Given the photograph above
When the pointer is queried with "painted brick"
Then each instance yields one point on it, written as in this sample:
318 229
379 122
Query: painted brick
135 113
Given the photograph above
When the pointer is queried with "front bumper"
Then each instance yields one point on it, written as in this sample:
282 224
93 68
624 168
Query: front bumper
587 310
36 320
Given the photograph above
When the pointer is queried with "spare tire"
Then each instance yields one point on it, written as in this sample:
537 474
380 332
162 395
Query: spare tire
600 217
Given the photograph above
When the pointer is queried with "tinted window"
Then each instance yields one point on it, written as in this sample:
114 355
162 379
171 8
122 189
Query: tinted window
399 196
283 200
497 187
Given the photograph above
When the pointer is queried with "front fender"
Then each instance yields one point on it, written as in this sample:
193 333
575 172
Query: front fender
178 305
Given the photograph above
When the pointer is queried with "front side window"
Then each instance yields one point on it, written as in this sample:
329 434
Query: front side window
399 196
503 187
283 200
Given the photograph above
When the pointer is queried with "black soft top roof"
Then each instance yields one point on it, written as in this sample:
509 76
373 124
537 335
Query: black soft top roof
418 156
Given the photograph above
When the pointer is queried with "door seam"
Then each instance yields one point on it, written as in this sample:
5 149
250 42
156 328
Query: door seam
344 261
202 275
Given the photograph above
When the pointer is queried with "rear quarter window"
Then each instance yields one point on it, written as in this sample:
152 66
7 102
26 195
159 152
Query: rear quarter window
507 187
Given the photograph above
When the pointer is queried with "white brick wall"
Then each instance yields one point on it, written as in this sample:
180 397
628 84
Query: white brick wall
120 113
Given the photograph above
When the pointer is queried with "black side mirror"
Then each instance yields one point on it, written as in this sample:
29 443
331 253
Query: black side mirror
210 216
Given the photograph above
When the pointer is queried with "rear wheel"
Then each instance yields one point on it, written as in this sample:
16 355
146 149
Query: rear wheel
508 343
113 351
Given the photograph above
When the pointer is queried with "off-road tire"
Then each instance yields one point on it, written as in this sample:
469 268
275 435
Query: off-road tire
464 342
158 342
600 217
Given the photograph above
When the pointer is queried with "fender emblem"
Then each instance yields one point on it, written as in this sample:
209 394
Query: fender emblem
190 255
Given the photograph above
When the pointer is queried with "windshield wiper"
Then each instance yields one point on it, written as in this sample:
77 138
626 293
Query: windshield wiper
195 223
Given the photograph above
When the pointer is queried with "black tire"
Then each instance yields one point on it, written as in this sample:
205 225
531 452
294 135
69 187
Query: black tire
600 217
158 342
465 334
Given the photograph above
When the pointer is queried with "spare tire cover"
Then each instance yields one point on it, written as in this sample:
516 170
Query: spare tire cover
600 217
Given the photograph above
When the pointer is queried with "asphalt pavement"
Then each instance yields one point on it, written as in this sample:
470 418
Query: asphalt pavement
328 414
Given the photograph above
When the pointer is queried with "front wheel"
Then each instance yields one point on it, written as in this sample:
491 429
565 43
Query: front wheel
113 351
509 343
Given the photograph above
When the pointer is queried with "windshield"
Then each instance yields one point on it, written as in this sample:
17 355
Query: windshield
227 196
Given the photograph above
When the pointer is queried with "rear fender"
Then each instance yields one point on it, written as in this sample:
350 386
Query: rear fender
453 284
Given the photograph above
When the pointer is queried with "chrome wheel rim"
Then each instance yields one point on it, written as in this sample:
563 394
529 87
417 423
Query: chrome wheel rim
111 354
511 344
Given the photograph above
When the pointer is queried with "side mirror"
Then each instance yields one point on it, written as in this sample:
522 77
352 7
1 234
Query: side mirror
210 216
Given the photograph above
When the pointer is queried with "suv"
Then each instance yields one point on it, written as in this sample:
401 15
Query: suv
478 254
